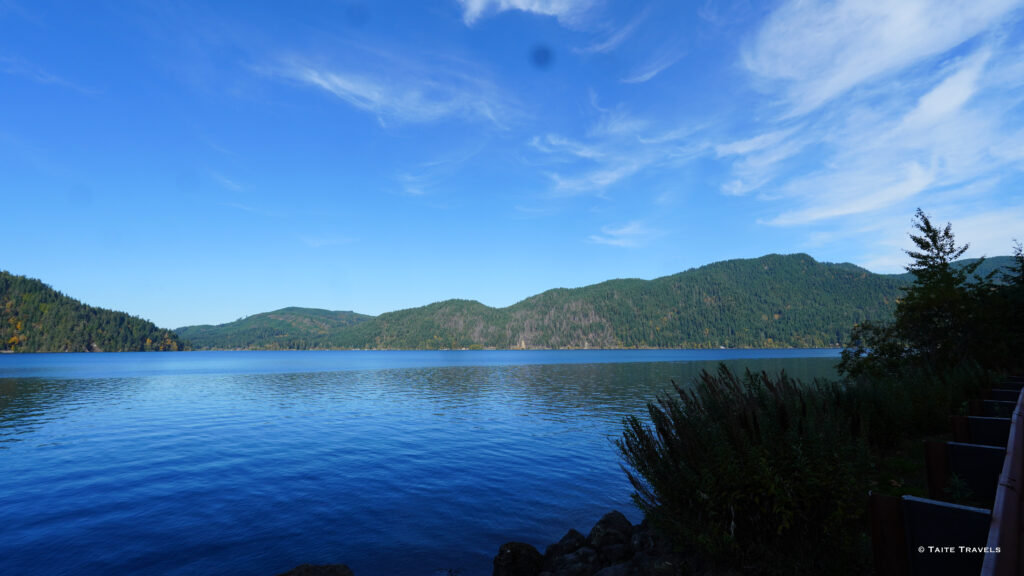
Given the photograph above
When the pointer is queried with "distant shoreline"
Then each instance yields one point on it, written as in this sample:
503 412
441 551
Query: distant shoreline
430 350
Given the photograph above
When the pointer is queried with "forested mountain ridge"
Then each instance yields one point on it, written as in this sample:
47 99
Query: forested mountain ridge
764 302
285 329
771 301
36 318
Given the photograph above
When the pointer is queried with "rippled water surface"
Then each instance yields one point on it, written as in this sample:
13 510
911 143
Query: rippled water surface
395 463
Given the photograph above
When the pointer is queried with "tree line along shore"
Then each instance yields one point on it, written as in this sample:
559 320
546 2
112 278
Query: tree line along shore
775 301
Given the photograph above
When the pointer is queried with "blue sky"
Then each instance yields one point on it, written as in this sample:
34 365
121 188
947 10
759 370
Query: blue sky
198 162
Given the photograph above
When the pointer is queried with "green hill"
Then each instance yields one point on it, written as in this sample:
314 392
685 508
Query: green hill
772 301
994 264
285 329
36 318
764 302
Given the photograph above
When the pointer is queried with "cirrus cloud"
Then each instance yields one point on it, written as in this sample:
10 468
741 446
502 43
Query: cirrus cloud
566 11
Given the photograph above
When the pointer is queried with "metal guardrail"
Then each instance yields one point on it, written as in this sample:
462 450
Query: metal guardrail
1004 533
905 530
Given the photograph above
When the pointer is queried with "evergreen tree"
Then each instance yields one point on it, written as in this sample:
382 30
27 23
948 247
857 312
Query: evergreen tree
948 315
937 317
36 318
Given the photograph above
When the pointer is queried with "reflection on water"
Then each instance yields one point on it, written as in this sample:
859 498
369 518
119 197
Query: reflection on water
407 463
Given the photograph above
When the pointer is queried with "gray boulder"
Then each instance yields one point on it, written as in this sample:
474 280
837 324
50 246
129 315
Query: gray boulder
517 559
571 542
582 562
612 538
612 528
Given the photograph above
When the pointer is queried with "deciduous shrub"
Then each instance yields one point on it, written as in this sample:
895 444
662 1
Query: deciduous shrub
756 472
915 401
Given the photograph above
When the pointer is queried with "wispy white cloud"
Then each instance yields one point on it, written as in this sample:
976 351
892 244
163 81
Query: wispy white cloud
566 11
1009 148
617 37
616 146
397 89
873 110
617 122
606 160
226 182
425 177
412 185
843 202
949 96
597 180
759 159
990 232
629 235
26 69
886 153
655 66
817 51
555 144
424 102
741 187
753 144
673 135
886 145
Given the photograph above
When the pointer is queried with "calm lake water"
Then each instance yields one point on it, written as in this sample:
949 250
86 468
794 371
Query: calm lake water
395 463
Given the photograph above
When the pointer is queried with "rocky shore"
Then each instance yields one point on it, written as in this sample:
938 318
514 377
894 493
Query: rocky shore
614 547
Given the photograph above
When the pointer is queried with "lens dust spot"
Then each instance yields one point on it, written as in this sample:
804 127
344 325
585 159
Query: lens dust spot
541 56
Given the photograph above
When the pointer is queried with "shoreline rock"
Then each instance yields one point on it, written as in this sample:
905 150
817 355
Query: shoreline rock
614 547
